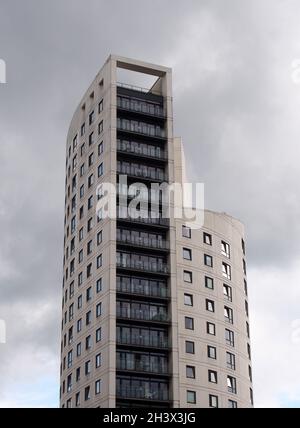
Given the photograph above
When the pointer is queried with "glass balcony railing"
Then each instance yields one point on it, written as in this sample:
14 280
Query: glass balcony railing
148 221
152 342
142 172
142 290
159 244
140 149
142 393
143 128
142 315
143 266
139 366
140 106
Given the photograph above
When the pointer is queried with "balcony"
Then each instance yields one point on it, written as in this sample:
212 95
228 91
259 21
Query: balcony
140 290
138 241
141 150
143 367
143 266
142 341
142 393
160 221
141 107
143 172
141 128
142 315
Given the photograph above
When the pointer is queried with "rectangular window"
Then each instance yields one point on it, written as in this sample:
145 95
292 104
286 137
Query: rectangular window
89 248
90 180
100 127
82 129
88 318
191 397
80 279
98 310
78 350
228 314
211 328
231 385
78 374
80 256
213 401
90 202
232 404
91 159
188 276
88 342
100 148
210 305
245 287
189 323
226 270
189 347
207 238
190 372
209 283
79 325
230 360
82 149
100 170
82 170
98 361
99 261
79 302
244 267
212 376
186 232
90 224
91 117
188 300
91 138
208 260
89 294
87 393
97 387
99 285
212 352
89 270
243 247
227 291
77 399
99 237
81 192
229 337
187 253
98 334
225 249
100 106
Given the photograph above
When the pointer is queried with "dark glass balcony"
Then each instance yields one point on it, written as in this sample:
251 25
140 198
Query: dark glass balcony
139 106
142 315
163 222
139 241
141 128
143 266
142 393
143 367
141 150
142 171
142 341
138 289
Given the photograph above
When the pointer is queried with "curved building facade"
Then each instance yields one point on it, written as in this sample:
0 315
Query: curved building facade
154 314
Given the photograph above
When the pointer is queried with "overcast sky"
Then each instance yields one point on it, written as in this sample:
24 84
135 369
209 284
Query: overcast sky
237 106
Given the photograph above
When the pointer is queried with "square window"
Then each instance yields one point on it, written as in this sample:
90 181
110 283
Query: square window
191 397
187 254
209 283
188 276
188 300
207 238
190 372
208 260
186 232
189 347
189 323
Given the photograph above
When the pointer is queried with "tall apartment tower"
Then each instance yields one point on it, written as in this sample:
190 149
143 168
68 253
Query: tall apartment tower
155 314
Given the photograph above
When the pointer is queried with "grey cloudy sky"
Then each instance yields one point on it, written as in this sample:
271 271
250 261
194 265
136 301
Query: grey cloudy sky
237 109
